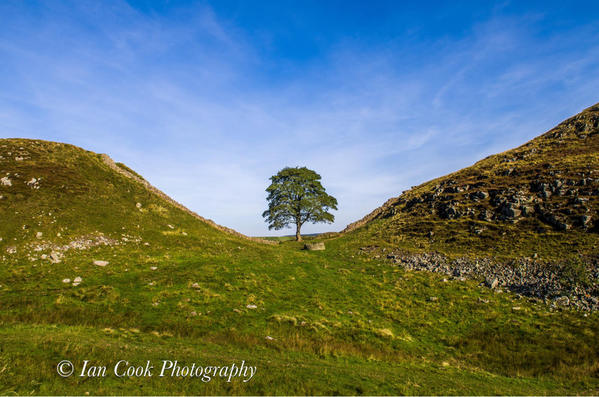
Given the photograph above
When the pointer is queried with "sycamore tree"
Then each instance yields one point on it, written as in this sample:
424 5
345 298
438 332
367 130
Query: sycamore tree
295 196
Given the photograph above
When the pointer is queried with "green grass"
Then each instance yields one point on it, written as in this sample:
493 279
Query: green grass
35 350
330 315
313 322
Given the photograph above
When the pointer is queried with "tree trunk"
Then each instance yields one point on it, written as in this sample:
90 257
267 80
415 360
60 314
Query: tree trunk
298 236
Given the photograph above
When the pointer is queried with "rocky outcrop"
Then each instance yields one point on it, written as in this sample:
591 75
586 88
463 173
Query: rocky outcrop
552 181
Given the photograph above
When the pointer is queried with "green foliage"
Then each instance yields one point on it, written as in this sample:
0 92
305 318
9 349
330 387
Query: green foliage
296 196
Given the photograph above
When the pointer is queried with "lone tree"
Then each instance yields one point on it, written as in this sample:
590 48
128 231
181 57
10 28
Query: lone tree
296 196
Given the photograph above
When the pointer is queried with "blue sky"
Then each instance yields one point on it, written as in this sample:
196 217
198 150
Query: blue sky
208 100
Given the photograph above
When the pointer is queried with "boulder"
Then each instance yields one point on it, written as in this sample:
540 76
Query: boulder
509 211
527 210
585 219
481 195
314 246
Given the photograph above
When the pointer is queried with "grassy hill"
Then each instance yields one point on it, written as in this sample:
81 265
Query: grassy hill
56 197
312 322
540 199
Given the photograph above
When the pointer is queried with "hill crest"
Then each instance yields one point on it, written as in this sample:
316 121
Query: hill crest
532 179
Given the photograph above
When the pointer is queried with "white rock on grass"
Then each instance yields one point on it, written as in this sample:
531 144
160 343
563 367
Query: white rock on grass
55 257
66 280
39 235
101 263
153 268
6 181
250 306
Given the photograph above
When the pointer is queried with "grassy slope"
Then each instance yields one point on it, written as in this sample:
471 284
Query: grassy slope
569 153
341 323
80 196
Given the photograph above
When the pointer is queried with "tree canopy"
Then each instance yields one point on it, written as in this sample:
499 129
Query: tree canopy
296 196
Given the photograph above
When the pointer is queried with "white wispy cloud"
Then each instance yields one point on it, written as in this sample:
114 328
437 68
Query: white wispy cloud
186 104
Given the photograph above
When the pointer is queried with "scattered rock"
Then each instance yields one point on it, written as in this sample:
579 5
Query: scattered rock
33 183
101 263
55 257
66 280
562 301
492 282
250 306
6 181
